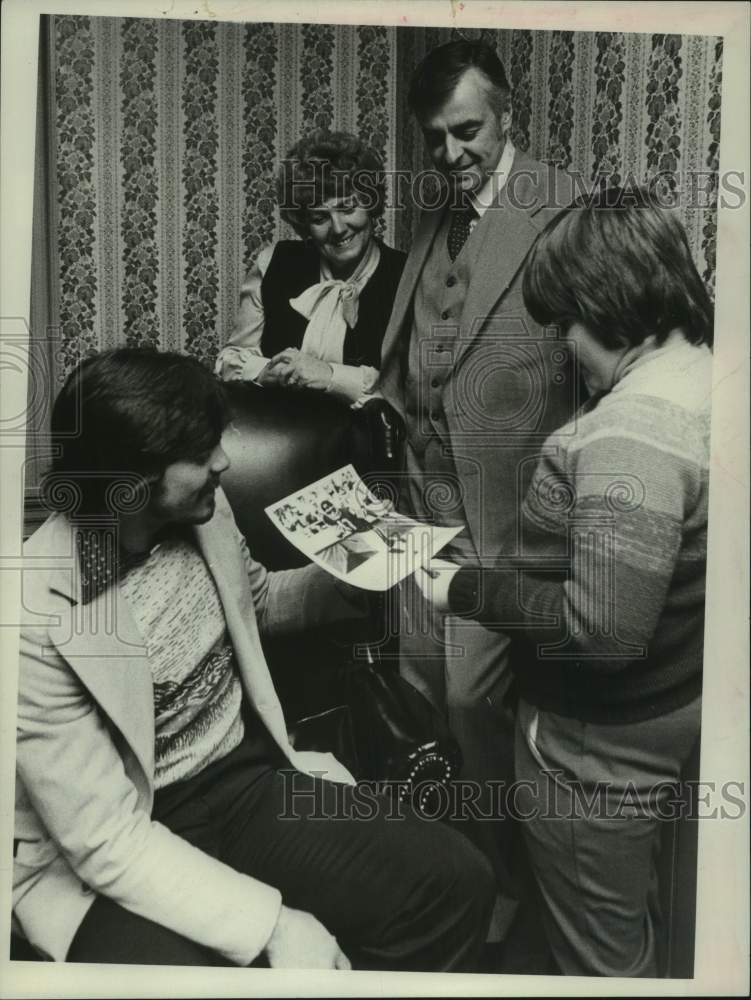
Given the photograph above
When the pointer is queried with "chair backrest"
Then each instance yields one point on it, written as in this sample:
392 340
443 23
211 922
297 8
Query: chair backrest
279 441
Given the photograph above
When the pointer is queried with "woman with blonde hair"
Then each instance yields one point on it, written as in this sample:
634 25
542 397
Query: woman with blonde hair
313 312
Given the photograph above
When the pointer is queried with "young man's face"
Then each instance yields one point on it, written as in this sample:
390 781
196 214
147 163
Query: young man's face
465 137
185 493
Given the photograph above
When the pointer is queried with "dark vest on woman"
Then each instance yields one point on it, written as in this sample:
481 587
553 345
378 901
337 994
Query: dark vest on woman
295 265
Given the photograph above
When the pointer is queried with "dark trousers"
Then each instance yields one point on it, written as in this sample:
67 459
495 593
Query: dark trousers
463 669
396 891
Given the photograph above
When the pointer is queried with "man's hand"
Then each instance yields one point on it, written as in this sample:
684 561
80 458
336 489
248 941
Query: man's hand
299 941
324 765
434 581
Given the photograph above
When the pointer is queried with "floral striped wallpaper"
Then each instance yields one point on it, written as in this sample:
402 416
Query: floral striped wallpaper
626 106
163 138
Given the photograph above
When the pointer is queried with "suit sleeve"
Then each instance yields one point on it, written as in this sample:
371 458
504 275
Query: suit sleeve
77 782
291 600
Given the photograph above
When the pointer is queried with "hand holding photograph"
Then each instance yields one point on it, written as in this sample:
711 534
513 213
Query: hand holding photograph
344 528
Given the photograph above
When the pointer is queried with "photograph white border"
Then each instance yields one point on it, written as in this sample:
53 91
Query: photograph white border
722 924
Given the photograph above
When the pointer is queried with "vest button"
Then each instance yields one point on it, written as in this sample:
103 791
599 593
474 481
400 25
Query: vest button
445 314
435 382
451 281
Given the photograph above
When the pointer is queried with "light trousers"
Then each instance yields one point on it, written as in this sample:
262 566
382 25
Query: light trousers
595 798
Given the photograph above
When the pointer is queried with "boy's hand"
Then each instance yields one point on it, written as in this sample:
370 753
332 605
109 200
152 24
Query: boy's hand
434 581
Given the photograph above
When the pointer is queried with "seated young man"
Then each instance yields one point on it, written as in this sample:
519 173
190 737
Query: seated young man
156 820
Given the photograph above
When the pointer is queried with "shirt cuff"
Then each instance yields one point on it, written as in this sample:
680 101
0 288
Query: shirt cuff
253 365
237 364
354 384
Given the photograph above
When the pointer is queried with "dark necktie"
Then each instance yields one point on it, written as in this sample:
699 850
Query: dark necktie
459 230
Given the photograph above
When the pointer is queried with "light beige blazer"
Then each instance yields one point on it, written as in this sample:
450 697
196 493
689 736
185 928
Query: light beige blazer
85 748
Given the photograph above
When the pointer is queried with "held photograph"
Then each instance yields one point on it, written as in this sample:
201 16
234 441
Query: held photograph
374 505
344 528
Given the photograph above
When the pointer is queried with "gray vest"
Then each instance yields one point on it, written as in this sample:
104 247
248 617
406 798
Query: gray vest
433 484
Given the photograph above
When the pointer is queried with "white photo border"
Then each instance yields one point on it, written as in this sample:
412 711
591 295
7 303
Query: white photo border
722 924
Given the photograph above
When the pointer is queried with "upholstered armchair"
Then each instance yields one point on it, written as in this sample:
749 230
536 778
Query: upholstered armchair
279 441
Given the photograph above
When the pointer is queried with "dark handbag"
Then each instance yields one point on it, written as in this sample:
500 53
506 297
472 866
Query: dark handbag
386 731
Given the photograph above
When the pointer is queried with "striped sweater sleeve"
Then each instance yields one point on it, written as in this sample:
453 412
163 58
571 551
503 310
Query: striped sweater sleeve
602 537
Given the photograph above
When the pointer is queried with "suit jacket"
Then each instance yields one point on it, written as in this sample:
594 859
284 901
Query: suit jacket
503 396
85 748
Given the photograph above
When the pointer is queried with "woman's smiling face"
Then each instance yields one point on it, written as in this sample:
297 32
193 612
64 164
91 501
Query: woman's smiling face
341 230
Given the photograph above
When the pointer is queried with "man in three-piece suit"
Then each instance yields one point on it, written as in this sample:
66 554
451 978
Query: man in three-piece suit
478 384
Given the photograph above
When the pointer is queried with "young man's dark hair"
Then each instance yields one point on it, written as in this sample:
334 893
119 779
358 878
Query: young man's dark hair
437 75
621 266
129 413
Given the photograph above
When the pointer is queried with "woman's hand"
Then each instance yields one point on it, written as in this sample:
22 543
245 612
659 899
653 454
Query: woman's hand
434 581
270 376
299 941
295 370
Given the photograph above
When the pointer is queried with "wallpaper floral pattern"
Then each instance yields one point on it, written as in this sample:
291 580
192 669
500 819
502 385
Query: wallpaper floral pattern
164 137
607 110
77 202
627 107
200 173
140 183
259 135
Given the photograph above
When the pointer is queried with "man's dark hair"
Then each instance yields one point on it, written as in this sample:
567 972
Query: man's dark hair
620 264
121 418
436 77
326 165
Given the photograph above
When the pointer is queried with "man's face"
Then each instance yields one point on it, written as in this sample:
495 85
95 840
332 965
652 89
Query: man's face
464 136
185 493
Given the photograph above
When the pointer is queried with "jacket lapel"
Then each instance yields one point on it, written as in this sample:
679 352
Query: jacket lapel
390 370
508 232
426 231
219 548
103 646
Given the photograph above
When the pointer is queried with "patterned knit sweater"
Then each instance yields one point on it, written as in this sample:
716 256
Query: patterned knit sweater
197 689
603 591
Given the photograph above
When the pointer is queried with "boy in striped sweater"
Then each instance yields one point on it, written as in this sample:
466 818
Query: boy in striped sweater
604 587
